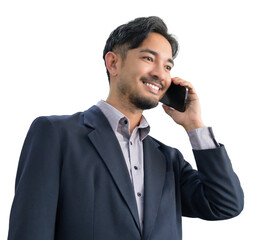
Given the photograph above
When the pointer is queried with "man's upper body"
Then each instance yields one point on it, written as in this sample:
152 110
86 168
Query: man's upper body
99 175
73 183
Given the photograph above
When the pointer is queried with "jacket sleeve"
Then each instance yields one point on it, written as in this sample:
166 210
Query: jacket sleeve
33 210
213 192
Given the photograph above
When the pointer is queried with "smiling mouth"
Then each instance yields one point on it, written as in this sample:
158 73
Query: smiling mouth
156 88
152 85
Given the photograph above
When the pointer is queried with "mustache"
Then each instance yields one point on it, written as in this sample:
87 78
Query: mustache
152 79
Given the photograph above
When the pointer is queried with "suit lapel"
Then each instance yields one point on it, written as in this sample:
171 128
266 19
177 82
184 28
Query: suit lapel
154 175
107 145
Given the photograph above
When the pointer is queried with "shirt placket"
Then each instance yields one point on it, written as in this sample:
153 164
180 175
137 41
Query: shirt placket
136 169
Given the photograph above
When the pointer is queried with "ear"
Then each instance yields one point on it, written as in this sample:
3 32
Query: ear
112 61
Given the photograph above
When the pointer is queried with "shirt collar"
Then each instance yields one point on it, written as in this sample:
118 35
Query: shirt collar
116 119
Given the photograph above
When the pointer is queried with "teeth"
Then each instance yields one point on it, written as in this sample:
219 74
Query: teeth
152 86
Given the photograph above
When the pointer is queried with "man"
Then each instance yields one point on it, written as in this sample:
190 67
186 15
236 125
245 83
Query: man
98 175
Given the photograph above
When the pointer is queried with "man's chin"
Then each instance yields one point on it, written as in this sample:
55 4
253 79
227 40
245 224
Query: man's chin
143 103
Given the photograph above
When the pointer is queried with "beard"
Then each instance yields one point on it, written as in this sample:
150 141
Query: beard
137 100
141 102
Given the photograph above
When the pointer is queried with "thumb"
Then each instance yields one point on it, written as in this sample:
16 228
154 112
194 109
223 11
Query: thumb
168 110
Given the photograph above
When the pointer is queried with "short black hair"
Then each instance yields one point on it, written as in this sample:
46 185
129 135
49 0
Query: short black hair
133 33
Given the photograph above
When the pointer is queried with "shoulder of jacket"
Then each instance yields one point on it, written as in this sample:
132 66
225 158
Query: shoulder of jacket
59 121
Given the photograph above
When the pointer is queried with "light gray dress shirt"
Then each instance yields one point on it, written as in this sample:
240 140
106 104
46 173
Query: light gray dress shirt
132 147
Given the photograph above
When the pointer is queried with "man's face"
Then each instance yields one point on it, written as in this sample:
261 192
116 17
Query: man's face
144 76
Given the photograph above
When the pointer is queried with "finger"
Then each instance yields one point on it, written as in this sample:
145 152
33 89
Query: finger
182 82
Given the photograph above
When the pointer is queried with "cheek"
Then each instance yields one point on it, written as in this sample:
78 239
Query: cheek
135 70
128 74
168 82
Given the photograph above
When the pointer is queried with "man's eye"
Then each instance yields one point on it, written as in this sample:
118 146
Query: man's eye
168 67
148 59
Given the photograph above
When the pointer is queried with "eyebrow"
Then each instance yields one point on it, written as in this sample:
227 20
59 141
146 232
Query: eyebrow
170 60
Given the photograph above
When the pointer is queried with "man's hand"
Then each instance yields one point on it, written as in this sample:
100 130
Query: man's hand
191 118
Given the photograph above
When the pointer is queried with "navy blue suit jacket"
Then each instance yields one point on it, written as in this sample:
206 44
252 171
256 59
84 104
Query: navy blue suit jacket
73 184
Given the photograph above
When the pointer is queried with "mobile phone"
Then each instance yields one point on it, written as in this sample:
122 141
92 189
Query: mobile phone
176 97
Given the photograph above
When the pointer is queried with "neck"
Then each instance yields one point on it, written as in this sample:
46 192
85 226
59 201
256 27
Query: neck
132 113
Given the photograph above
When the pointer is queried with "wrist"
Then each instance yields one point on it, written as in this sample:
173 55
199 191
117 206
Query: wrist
193 126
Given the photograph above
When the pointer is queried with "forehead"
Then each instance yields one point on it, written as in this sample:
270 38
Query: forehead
156 42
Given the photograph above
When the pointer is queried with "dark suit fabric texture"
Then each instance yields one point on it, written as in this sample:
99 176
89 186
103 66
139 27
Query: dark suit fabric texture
72 183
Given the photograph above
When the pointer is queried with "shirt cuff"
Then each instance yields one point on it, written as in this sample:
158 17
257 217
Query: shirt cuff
202 138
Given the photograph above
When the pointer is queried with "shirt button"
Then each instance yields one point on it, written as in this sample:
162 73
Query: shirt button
139 194
130 143
135 167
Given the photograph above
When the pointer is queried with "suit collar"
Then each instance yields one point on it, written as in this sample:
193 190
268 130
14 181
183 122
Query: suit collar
93 117
107 145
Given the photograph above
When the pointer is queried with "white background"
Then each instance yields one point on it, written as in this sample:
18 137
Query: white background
51 63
